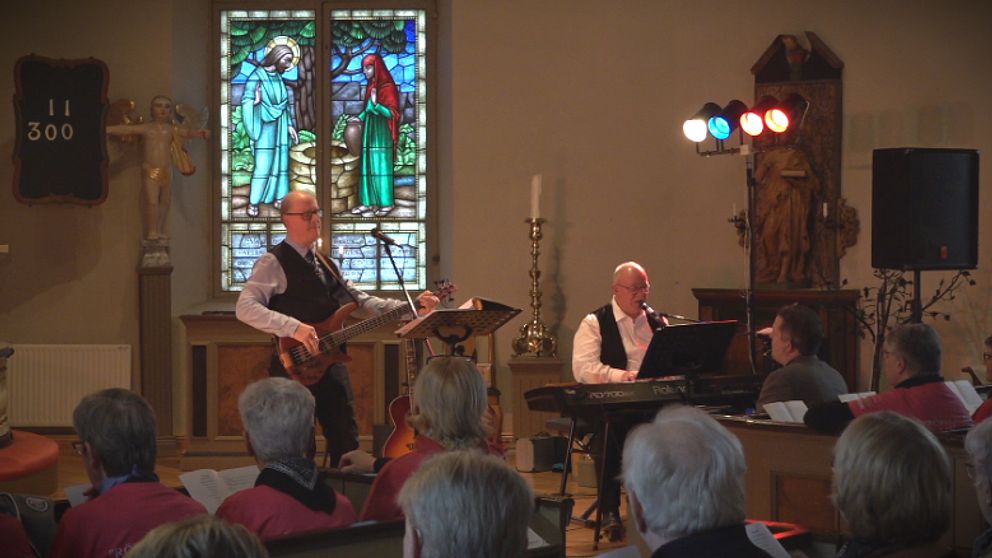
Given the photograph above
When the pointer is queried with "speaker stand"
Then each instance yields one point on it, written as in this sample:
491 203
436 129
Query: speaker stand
917 315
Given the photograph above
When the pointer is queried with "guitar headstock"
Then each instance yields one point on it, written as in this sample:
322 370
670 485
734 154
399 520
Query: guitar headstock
443 290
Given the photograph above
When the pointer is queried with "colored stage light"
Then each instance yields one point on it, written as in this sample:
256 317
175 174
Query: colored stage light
724 123
752 121
695 127
788 111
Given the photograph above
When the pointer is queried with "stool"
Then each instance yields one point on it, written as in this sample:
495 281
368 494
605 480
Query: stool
29 465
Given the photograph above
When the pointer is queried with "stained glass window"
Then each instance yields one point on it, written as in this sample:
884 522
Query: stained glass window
373 128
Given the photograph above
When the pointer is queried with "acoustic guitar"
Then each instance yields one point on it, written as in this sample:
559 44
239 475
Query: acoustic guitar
401 439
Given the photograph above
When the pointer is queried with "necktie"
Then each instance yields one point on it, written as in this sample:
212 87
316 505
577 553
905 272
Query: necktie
316 267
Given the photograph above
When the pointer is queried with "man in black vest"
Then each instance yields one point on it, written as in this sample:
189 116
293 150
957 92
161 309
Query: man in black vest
608 348
290 286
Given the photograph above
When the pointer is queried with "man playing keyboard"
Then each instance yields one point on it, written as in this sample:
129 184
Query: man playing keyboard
608 348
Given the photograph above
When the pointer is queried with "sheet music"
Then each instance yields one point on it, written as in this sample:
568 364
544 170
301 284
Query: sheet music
211 488
75 494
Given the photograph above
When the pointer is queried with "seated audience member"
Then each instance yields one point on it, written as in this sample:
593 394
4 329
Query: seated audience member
684 475
15 540
978 444
290 495
116 429
203 536
892 483
448 414
465 503
985 411
911 363
796 336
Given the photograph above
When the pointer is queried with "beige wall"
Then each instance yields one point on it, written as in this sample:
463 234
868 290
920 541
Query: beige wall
525 87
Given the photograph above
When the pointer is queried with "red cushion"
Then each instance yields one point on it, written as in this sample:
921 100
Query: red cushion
28 454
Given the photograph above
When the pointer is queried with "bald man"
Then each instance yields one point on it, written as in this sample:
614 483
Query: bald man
289 288
609 346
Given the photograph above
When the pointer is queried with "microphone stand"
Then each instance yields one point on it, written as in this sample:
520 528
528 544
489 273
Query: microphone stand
406 293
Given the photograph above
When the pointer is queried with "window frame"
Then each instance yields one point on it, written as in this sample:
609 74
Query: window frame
322 12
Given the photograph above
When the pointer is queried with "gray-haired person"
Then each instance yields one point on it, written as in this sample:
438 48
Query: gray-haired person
290 495
466 503
892 483
684 475
978 444
116 429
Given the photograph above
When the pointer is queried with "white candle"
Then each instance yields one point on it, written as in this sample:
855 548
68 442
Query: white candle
824 210
341 251
535 196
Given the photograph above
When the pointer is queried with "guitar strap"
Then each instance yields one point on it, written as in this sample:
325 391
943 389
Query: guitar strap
331 267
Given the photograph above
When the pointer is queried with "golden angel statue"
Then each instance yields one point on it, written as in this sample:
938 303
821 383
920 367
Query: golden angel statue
163 142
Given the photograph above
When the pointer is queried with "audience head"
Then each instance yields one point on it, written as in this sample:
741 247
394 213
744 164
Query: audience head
465 500
630 287
684 474
277 414
450 403
987 359
202 536
892 480
911 350
978 443
797 331
117 429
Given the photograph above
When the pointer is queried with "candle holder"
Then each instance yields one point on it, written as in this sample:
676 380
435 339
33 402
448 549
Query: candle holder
535 339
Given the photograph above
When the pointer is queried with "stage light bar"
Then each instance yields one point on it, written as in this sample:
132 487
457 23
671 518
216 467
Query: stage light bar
695 128
724 123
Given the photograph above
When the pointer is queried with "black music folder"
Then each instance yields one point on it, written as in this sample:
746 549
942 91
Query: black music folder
687 349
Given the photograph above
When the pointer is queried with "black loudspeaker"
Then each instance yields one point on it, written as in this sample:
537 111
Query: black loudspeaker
924 212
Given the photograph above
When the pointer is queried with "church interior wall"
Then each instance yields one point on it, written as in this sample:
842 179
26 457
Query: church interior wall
589 94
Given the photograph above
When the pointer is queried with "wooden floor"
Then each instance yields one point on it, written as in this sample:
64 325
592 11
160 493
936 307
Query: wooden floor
578 538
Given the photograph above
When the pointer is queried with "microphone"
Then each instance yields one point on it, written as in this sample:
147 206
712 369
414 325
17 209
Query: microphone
647 308
382 237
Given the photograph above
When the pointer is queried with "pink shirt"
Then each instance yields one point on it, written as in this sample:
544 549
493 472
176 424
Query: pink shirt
933 404
271 513
110 524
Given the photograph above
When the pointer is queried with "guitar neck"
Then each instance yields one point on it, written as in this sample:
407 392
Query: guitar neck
343 335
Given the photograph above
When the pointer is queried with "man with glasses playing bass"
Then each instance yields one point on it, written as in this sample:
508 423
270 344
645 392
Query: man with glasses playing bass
291 287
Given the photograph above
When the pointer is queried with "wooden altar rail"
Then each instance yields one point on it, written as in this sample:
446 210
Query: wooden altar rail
789 478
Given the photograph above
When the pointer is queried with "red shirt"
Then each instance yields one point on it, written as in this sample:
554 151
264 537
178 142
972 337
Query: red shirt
381 503
983 412
271 513
15 540
933 404
110 524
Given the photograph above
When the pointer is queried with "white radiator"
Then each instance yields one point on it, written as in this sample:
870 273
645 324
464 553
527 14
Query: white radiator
46 382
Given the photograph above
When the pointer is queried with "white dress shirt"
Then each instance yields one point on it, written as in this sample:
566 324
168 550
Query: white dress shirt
269 279
635 333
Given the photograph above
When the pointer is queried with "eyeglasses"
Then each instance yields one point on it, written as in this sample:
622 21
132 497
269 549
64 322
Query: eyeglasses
307 215
79 448
645 289
986 357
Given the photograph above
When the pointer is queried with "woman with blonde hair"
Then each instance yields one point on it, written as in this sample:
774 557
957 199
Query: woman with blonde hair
203 536
892 483
448 414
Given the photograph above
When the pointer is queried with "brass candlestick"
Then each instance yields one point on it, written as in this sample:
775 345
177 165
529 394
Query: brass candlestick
535 339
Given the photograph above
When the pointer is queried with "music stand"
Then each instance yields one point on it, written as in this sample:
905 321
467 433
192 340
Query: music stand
687 349
454 325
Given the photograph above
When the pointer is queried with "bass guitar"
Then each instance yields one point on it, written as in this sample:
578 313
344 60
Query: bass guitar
308 368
